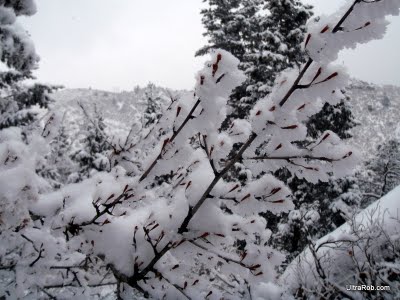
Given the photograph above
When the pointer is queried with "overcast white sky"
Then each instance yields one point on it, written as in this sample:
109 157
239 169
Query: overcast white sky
115 45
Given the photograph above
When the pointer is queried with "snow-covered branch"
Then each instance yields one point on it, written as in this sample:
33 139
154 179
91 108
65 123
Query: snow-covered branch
197 236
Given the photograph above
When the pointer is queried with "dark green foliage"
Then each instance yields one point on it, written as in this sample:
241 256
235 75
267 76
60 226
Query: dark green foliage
18 109
319 209
337 118
386 101
264 35
18 55
17 51
224 27
276 46
57 165
20 104
94 154
153 105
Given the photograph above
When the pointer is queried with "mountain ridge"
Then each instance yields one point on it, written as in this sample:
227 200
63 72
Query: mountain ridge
376 109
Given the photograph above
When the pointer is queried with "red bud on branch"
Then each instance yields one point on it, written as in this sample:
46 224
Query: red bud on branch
348 155
175 267
188 185
234 188
178 110
275 190
301 107
278 201
308 39
325 29
245 197
329 77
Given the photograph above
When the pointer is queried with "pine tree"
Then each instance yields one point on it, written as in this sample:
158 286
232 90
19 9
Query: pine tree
57 166
93 156
153 105
224 27
18 102
19 108
385 101
235 27
276 46
17 50
264 35
321 207
337 118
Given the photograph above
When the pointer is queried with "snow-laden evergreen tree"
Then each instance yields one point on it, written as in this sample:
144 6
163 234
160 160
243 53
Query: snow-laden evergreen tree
57 166
382 172
337 118
281 28
22 104
93 155
235 27
19 103
386 101
17 50
225 26
265 35
154 103
320 207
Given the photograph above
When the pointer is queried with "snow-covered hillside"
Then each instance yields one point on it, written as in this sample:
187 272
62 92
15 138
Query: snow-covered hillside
120 110
376 108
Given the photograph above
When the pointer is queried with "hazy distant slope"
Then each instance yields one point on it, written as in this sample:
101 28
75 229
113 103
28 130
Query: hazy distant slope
119 109
376 108
119 106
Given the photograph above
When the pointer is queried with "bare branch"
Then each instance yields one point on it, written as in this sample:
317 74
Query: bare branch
309 157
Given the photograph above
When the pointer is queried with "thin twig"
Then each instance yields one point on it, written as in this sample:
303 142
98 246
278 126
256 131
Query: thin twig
175 134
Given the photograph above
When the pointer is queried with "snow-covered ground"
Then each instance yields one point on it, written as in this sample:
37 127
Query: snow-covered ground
377 225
